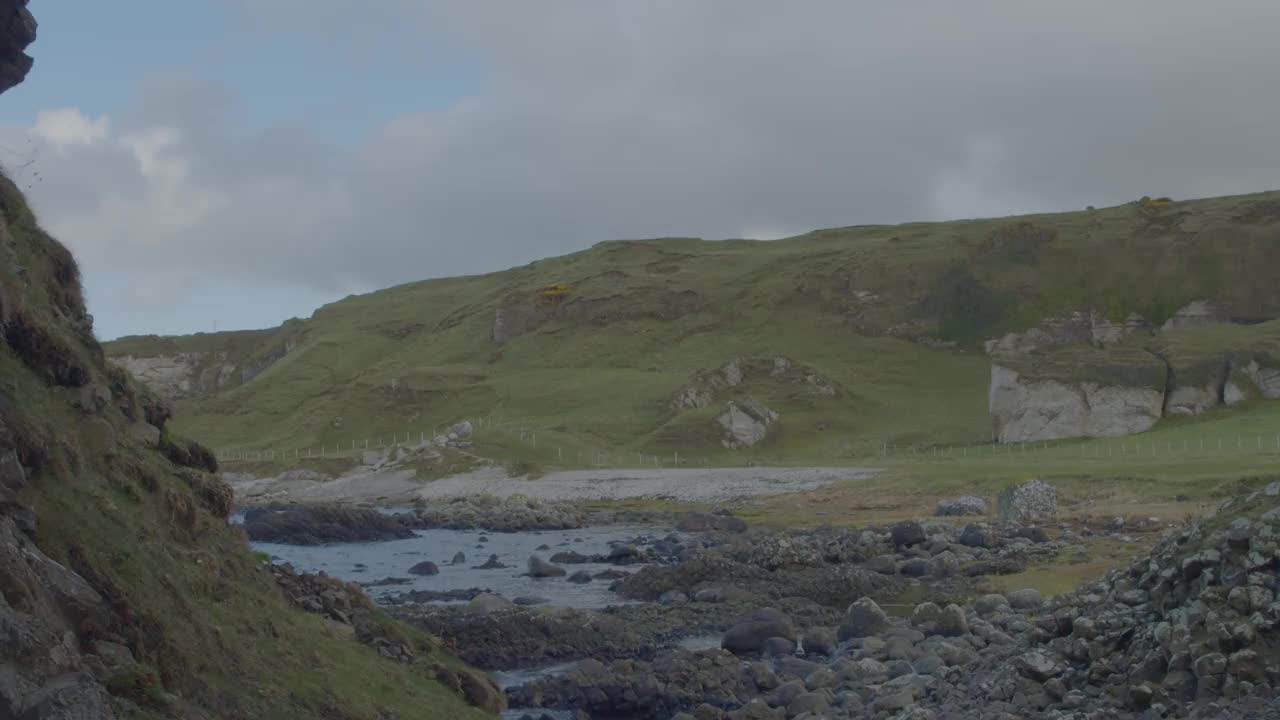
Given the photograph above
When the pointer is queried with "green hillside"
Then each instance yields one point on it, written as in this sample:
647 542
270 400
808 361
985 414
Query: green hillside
117 564
593 346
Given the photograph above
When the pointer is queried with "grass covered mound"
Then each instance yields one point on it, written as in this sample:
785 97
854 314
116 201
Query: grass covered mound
116 557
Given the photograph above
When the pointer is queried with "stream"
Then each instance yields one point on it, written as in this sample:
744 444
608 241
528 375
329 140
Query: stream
369 562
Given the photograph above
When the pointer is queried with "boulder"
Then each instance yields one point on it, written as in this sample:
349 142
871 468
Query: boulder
459 558
818 641
977 536
580 577
1026 599
906 534
749 634
491 564
1030 502
864 618
322 524
961 506
933 620
540 568
1037 665
745 423
777 647
569 557
426 567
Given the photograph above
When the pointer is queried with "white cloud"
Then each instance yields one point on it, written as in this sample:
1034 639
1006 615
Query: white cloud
69 127
608 119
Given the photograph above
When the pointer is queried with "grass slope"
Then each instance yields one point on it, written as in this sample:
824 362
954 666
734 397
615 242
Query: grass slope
212 635
596 368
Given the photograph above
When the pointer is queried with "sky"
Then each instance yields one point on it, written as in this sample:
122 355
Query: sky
226 164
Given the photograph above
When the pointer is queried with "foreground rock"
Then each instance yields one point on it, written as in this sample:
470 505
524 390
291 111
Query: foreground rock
323 524
1192 630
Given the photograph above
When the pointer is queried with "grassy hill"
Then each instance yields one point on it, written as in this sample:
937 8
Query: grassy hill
117 560
589 349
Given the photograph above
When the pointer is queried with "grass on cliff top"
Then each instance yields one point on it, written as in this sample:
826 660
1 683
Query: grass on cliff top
642 317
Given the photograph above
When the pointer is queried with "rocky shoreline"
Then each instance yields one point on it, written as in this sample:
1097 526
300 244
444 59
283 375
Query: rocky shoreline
890 622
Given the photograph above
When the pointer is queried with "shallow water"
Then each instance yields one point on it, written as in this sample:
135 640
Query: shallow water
366 562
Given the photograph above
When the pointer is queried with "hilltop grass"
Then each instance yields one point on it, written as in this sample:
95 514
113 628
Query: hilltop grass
631 322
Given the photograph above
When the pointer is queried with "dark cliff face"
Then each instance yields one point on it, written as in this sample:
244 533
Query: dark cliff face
17 31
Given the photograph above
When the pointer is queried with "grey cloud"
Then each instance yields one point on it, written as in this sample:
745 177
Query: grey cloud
716 118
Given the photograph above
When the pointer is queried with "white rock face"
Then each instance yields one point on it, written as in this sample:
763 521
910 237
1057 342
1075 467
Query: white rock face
178 376
746 423
1267 379
1192 399
1089 328
1232 394
1022 411
1197 314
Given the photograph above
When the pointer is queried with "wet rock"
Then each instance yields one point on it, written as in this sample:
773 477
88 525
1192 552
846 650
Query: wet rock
459 558
322 524
933 620
777 647
491 564
863 618
426 567
570 557
581 577
540 568
819 641
749 634
527 600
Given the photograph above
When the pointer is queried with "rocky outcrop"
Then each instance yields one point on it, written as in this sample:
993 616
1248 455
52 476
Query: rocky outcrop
1026 409
194 374
746 423
17 31
322 524
736 375
1081 377
1199 313
1087 328
42 607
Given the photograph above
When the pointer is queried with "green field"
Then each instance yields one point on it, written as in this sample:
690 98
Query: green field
891 316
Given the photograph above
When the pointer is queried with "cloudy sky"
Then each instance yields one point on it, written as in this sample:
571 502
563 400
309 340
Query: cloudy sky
232 163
